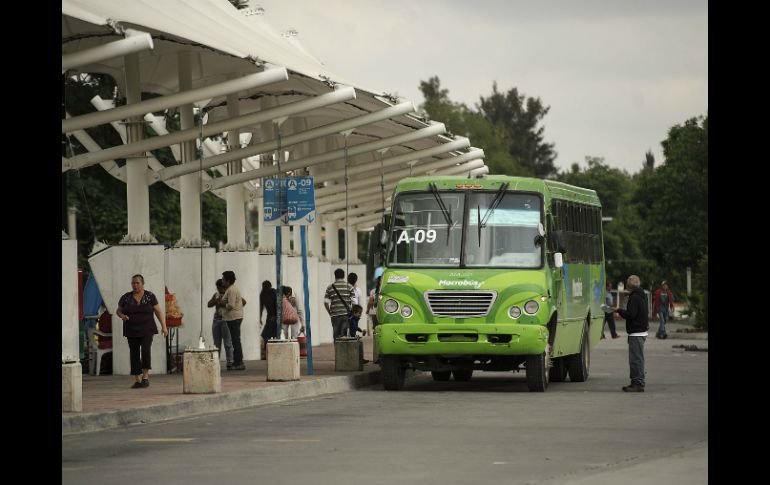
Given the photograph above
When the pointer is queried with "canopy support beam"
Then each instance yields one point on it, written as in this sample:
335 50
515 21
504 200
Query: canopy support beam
140 108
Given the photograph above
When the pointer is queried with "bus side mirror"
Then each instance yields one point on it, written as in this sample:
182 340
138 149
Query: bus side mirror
539 240
558 260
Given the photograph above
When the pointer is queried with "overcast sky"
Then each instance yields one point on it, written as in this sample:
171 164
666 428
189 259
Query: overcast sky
617 74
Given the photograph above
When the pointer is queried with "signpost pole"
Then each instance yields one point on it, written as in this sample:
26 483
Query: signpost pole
309 343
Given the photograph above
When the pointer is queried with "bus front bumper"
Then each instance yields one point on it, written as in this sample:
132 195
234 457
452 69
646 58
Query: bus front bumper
458 339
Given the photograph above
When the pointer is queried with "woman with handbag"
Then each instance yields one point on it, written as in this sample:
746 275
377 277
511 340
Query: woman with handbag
292 322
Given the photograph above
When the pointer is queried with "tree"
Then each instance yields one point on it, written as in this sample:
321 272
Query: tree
460 120
649 160
518 116
673 199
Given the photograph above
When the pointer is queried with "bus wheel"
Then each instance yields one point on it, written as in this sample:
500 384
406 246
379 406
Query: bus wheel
463 375
393 373
577 365
537 372
558 372
441 375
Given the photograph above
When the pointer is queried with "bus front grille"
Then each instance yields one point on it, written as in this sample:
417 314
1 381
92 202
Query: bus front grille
460 304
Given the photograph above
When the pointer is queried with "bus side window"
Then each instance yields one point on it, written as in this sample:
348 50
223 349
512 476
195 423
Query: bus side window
596 238
581 237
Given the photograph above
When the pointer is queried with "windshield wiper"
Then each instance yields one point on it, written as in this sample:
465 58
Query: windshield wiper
444 210
440 203
498 198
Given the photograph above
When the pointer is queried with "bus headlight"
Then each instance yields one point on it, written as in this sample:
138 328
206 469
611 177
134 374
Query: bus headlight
406 311
514 312
531 307
390 305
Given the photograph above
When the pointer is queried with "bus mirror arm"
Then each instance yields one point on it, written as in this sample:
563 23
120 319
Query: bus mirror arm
539 240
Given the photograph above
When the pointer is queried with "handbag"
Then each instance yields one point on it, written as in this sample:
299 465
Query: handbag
290 316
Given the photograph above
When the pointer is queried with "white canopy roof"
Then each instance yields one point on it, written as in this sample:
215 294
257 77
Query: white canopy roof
227 43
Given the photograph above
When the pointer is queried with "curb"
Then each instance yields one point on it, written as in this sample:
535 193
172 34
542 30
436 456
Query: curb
213 403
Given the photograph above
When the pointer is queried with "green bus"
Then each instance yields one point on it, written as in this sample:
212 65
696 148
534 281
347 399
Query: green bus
495 273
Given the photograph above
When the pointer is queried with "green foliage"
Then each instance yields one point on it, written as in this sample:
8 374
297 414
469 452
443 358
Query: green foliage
518 118
672 200
699 302
461 120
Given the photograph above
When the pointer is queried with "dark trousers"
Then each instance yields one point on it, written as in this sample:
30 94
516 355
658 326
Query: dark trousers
235 335
340 326
636 359
137 345
609 319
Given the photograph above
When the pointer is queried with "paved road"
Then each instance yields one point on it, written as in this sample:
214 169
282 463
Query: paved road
488 430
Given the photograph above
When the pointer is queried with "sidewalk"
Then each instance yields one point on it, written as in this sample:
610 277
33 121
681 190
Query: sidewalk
109 402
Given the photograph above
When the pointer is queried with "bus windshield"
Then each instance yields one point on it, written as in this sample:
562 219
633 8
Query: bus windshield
501 232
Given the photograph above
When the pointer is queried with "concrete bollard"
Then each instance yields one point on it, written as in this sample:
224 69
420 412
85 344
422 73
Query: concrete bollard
202 373
282 360
348 354
72 387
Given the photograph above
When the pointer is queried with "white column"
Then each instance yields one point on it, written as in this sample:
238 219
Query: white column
236 203
137 189
261 241
72 226
351 245
189 185
332 241
314 237
70 350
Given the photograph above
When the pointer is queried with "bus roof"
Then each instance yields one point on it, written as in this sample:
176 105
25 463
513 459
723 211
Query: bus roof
549 188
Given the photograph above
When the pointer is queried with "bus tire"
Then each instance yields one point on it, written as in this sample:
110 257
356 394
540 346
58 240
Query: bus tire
463 375
577 365
558 371
393 373
441 375
537 372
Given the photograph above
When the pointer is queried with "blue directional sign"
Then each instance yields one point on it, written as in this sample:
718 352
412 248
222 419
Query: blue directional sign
289 201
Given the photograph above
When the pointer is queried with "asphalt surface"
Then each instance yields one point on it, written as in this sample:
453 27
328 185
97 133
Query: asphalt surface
489 429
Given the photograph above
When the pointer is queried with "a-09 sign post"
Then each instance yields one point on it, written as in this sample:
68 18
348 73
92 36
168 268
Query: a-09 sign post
289 201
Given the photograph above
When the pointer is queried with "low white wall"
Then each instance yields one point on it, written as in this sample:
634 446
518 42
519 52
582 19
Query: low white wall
246 265
183 278
113 269
325 277
316 300
70 347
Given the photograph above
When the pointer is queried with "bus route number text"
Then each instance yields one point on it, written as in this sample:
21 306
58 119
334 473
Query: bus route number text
420 236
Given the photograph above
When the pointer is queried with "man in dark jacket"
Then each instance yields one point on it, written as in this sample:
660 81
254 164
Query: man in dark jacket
636 327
